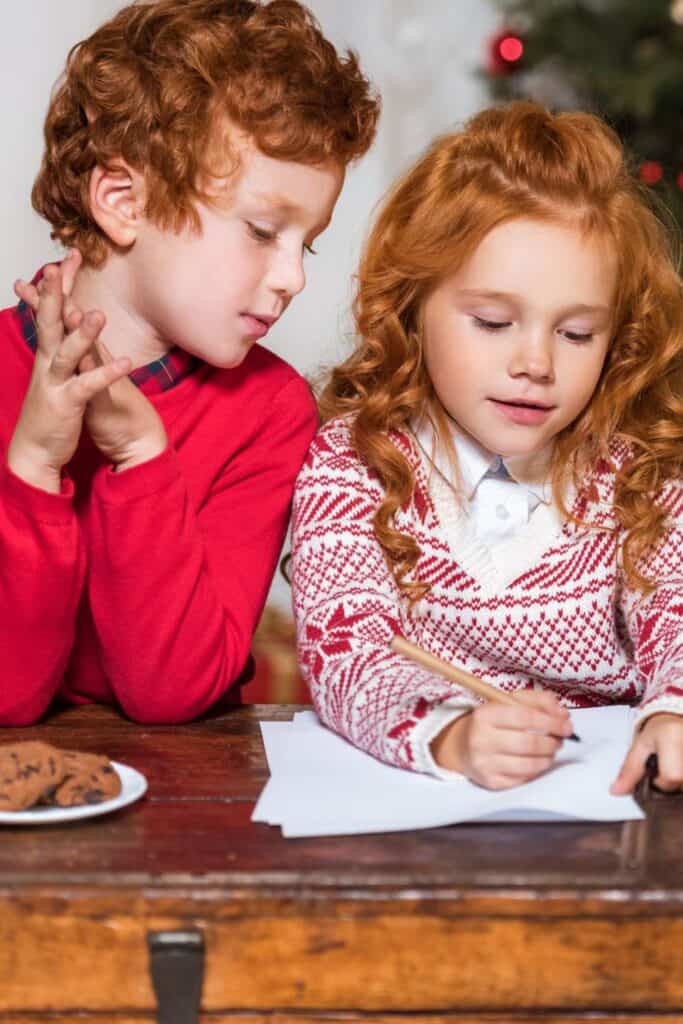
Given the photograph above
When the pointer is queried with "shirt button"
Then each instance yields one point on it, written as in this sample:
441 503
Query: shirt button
502 512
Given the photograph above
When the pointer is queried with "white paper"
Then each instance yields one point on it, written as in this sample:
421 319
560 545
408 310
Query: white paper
322 785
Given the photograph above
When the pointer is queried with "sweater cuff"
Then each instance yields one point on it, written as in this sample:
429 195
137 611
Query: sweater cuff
428 728
53 509
671 704
141 481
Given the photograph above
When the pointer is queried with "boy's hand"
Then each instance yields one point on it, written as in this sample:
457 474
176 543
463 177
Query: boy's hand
51 417
662 735
499 746
121 421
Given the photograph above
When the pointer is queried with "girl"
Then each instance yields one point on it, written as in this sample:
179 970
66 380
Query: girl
498 477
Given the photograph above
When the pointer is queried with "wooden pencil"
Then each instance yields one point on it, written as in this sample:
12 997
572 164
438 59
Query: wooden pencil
400 645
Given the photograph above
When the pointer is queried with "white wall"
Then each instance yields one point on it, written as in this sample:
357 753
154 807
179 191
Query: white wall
420 53
35 37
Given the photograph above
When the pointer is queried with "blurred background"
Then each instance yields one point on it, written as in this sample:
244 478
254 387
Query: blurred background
434 62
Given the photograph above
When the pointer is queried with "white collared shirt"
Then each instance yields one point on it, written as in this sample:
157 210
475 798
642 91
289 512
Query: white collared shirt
497 498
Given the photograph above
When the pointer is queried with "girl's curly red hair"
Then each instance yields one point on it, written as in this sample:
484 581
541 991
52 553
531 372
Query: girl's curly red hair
155 86
519 161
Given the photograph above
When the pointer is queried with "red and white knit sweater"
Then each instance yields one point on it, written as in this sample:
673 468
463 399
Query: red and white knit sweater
568 620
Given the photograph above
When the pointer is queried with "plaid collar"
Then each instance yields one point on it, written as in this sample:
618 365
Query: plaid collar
160 375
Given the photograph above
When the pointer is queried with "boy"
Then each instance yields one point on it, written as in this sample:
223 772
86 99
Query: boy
194 150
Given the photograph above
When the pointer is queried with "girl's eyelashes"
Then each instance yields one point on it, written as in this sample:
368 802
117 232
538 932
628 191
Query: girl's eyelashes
576 336
490 325
498 325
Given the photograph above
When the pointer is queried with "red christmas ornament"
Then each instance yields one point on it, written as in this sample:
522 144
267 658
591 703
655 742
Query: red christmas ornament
651 172
505 52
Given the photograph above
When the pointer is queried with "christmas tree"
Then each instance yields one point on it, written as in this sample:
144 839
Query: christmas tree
622 59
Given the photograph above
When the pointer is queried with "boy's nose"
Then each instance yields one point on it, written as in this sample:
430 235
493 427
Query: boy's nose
287 275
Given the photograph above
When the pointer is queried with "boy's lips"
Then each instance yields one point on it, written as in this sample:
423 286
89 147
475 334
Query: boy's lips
522 410
258 324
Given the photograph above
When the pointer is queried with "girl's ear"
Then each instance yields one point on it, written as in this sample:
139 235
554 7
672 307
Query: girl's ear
117 201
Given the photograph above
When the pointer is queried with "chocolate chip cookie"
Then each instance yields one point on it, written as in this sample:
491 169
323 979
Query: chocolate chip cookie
29 772
88 779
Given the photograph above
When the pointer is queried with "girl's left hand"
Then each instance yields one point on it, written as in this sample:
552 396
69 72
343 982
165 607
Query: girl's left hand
662 735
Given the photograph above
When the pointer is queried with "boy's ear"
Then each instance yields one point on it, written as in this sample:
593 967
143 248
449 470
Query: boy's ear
117 201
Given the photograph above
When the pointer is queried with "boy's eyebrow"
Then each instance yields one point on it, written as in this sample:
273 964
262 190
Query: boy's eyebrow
285 205
484 293
278 200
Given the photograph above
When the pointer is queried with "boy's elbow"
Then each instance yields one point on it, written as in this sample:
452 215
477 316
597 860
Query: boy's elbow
180 704
164 711
21 719
153 716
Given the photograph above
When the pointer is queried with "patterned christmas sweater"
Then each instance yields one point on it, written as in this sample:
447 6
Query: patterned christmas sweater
568 619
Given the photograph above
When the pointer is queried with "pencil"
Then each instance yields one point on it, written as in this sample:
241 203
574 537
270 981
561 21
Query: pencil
400 645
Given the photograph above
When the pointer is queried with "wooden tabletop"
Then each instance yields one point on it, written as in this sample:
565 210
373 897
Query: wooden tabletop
204 779
324 917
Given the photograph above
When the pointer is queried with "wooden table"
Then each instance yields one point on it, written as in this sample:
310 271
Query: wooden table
553 923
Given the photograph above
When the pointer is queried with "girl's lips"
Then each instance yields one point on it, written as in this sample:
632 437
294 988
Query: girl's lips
529 415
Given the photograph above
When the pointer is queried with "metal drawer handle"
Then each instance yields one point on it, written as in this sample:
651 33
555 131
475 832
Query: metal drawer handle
177 968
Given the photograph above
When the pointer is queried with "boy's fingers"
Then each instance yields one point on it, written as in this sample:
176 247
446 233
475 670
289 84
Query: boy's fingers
70 309
124 389
70 353
73 317
70 267
27 292
49 312
87 363
104 351
96 354
90 384
71 264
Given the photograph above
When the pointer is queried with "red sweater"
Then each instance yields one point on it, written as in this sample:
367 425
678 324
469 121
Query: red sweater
143 588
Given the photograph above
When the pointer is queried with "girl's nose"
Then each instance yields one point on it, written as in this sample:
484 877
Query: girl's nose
532 357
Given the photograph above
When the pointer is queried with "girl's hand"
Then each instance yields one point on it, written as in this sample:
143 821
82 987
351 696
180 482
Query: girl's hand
662 735
499 746
51 417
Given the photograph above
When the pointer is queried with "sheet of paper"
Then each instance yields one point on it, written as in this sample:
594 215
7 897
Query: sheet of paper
322 785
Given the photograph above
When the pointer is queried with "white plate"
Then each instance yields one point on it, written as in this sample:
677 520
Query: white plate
133 786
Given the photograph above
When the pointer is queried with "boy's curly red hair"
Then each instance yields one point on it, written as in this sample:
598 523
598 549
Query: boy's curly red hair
155 85
519 161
